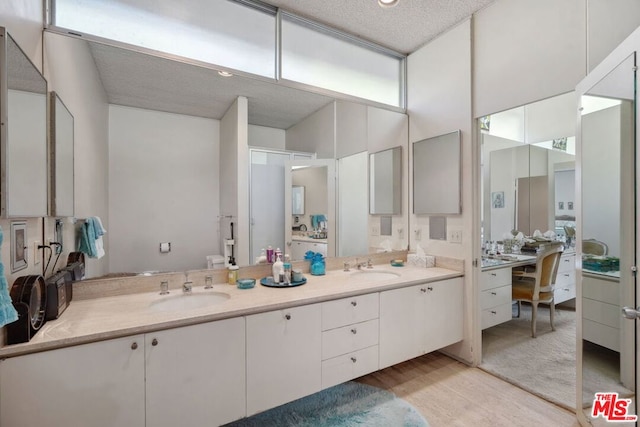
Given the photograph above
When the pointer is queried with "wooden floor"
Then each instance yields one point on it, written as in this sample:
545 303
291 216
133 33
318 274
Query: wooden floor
449 393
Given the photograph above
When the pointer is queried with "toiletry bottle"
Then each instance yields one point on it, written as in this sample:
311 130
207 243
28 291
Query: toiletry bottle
275 269
233 274
270 254
276 254
287 269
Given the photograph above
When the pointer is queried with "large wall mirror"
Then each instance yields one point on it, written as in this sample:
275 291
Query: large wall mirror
607 240
436 175
23 141
61 165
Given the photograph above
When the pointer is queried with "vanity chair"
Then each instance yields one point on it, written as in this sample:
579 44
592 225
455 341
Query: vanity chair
537 286
594 247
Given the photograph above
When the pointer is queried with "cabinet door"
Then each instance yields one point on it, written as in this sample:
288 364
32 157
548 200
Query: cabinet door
297 250
196 374
444 313
283 356
97 384
401 324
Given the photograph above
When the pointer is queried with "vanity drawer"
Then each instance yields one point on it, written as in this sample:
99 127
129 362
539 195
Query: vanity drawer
495 297
601 290
601 312
567 263
565 278
346 311
564 293
349 338
349 366
494 278
600 334
496 315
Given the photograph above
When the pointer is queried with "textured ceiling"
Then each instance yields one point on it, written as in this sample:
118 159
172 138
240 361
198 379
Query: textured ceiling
145 81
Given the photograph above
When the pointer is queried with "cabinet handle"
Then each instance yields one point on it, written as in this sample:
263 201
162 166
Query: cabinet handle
423 290
430 288
566 275
354 303
493 312
354 360
354 331
134 345
287 316
493 274
154 342
494 293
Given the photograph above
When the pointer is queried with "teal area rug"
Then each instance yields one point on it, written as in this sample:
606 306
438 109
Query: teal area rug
346 405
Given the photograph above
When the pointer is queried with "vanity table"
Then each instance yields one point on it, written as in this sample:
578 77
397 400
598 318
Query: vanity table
495 287
301 244
495 284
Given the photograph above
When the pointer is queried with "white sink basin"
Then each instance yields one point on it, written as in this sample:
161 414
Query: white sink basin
189 301
374 275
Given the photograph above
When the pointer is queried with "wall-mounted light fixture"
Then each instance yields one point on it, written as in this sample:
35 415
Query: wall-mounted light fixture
225 73
387 3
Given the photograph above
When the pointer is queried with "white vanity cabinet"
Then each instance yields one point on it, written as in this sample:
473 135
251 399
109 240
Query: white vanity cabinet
419 319
349 338
98 384
565 279
300 247
196 373
601 311
283 356
495 296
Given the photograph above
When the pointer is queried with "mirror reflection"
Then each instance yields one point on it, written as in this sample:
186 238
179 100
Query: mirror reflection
25 136
61 158
297 200
385 182
607 247
528 198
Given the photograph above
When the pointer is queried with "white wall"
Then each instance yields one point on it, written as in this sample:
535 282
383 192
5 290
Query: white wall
609 23
439 102
163 187
266 137
353 204
351 128
315 134
525 51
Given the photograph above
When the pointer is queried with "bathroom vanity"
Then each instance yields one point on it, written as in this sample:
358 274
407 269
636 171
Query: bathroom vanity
137 361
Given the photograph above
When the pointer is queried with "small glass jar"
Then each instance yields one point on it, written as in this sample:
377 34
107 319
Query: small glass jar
233 274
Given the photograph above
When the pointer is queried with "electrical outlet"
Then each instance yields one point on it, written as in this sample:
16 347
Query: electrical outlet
375 230
455 236
36 252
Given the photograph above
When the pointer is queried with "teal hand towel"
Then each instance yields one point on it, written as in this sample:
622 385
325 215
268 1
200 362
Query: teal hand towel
88 237
8 313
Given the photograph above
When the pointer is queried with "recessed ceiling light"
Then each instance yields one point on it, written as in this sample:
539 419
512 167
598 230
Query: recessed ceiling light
225 73
387 3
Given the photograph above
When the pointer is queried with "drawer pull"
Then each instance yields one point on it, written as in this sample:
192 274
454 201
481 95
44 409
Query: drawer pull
287 316
493 312
154 342
430 288
354 331
566 275
494 274
134 345
354 360
494 293
354 303
423 290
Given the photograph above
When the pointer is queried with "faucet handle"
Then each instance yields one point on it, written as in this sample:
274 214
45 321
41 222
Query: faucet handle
186 287
346 266
369 263
164 287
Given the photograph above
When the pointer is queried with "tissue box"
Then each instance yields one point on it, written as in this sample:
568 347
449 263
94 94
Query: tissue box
424 261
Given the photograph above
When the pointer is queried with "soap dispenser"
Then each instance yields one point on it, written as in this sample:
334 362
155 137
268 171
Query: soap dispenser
278 265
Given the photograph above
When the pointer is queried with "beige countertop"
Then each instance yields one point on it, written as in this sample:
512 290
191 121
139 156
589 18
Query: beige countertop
103 318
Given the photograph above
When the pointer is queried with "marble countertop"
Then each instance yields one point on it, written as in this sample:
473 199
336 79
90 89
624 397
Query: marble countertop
103 318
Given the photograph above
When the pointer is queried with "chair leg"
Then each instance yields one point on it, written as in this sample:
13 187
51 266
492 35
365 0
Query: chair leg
519 307
534 313
552 313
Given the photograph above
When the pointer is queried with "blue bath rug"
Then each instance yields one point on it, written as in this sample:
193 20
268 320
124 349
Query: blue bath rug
346 405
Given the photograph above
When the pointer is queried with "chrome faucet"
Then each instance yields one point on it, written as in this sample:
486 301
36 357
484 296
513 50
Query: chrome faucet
187 285
367 264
